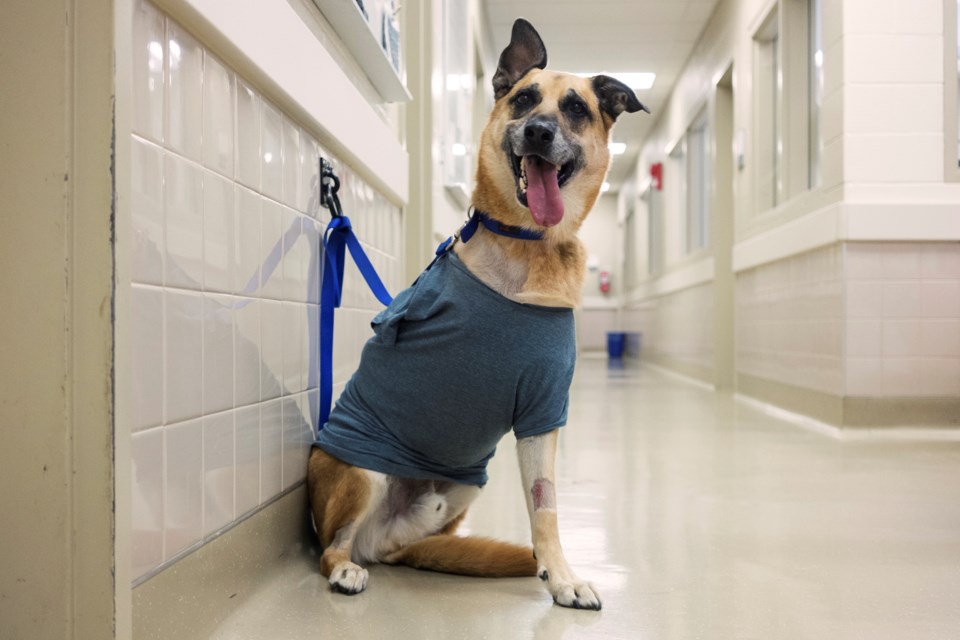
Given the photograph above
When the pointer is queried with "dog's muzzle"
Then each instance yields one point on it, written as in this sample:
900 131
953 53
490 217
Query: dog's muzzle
543 162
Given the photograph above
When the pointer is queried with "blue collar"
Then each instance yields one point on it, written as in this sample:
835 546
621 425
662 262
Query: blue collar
496 227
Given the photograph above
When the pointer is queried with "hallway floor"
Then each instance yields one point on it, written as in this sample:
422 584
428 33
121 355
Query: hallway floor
696 516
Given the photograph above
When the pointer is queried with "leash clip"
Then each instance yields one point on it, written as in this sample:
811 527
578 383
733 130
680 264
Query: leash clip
329 186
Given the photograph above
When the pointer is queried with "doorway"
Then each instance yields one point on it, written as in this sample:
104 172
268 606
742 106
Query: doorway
723 235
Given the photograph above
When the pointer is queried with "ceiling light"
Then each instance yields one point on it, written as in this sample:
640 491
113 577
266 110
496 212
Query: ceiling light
618 148
605 187
633 79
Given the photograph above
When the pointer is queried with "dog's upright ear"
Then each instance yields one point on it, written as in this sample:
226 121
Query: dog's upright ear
525 52
616 97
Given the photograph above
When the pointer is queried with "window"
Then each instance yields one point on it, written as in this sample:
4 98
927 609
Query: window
675 194
951 94
788 81
459 84
697 164
815 92
954 70
769 90
630 275
654 231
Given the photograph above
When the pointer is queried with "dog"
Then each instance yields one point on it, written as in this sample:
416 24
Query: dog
404 453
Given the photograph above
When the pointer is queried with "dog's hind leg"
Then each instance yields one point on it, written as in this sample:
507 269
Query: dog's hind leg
472 556
459 497
341 498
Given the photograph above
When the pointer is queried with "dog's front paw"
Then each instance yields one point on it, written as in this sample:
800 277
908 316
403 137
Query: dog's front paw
574 593
348 578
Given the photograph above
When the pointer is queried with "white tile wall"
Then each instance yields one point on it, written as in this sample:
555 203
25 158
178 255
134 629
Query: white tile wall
224 359
147 500
149 248
149 71
903 319
184 92
219 116
219 441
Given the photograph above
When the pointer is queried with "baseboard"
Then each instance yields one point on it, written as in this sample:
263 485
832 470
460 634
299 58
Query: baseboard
689 369
190 598
900 412
818 405
852 412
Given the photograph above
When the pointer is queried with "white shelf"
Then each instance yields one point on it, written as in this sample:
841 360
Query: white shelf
352 27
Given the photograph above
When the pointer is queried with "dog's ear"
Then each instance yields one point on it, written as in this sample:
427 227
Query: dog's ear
616 97
525 52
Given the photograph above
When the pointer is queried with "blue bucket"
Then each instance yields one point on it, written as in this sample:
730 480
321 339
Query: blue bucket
615 342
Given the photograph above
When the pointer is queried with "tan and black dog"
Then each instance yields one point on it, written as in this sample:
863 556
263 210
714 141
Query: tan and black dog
543 156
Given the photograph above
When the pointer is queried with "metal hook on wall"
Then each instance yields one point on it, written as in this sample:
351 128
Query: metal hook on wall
329 186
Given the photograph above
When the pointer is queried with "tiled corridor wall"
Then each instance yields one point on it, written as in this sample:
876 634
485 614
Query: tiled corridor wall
678 330
789 321
903 319
224 337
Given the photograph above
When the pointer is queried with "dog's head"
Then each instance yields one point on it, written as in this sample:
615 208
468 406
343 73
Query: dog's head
543 153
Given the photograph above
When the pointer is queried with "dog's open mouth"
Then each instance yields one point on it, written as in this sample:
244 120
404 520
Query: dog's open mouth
538 186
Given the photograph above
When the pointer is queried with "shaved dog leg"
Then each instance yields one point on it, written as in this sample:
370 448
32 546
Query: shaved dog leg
537 455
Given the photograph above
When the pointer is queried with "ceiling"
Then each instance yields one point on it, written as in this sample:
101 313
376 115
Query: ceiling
613 35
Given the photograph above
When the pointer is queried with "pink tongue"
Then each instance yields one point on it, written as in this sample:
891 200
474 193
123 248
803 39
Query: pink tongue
543 192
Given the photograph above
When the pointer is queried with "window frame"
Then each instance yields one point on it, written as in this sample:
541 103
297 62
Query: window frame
815 87
766 111
951 94
653 199
787 128
697 201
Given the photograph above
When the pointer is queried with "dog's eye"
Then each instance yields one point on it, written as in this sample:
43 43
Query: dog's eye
523 100
578 109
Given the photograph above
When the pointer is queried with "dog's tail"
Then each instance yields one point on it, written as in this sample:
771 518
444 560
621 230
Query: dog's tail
468 556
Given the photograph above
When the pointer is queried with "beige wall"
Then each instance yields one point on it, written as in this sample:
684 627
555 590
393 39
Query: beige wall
835 286
602 238
57 551
678 330
790 321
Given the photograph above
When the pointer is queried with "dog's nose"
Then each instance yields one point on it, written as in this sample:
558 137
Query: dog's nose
540 131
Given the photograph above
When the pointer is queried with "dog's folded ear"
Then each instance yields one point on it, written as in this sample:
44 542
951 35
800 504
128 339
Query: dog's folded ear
616 97
525 52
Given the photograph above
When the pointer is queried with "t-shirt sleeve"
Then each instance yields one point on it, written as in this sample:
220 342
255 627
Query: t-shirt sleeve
542 400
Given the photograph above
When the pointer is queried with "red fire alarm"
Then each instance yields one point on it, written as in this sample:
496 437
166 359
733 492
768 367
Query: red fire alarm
656 173
604 282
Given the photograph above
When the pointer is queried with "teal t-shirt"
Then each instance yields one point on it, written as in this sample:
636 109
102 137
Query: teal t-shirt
451 368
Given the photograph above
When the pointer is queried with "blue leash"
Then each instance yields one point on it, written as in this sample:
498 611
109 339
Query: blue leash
338 238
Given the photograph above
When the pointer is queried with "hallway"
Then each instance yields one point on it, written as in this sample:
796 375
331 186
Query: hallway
774 235
696 515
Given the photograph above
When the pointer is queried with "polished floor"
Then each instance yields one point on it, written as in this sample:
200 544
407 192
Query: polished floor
696 515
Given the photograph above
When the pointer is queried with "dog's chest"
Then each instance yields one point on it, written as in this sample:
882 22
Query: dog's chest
503 273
